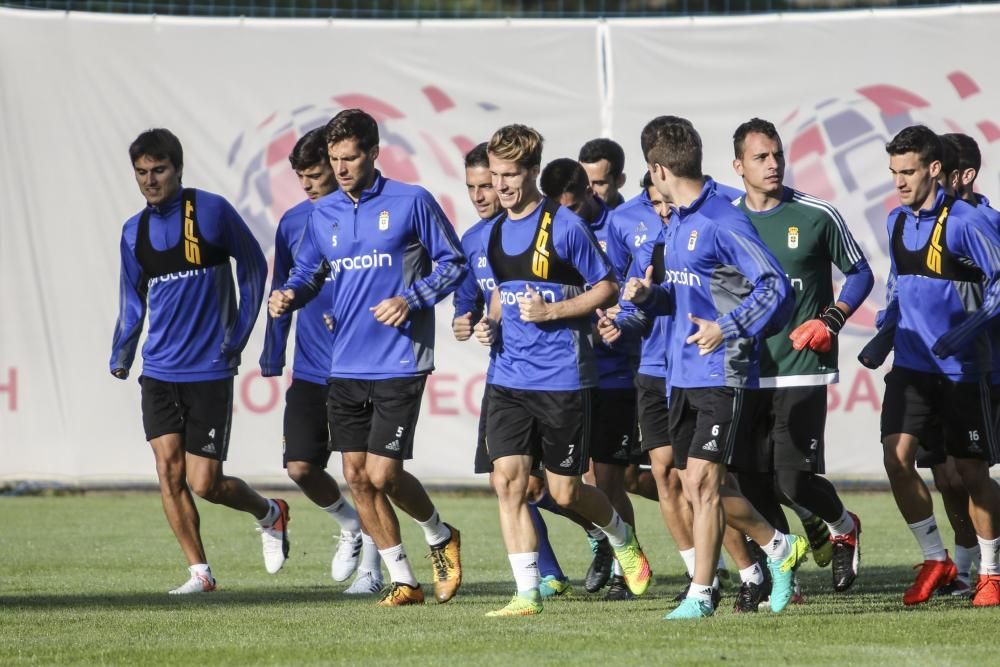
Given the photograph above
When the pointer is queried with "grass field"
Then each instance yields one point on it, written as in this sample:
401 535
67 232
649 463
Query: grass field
84 581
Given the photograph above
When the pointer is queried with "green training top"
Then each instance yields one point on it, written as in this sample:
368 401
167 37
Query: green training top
806 235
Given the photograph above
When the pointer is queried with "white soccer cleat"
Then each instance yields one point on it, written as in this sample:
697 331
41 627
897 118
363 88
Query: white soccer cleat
366 583
198 583
346 556
274 539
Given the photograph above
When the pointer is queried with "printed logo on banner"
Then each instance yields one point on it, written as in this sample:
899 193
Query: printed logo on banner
419 145
836 151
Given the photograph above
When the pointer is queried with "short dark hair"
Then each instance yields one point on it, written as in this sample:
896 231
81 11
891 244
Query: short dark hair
969 156
477 157
757 125
596 150
353 124
917 139
949 154
309 150
159 144
564 175
673 142
647 181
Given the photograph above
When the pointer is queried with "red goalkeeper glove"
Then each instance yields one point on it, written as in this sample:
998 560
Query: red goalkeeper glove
818 334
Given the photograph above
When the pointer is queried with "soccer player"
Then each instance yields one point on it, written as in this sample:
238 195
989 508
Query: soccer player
732 291
807 235
175 264
613 427
306 431
604 162
542 257
378 238
470 302
943 293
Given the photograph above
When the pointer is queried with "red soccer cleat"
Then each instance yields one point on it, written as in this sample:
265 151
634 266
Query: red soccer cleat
933 574
987 591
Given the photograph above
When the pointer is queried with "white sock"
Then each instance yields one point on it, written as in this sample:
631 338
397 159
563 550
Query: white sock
698 592
345 515
369 556
202 569
616 569
597 533
752 575
273 512
777 547
616 530
842 526
525 568
989 553
398 565
929 538
687 555
963 561
435 532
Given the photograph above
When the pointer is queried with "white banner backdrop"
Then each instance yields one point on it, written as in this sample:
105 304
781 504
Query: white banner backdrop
75 89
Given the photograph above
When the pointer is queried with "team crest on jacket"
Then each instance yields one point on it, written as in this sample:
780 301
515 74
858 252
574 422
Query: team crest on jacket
793 237
693 239
383 221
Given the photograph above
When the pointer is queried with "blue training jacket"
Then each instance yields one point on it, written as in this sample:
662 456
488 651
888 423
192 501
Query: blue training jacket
717 268
312 338
941 325
196 330
380 247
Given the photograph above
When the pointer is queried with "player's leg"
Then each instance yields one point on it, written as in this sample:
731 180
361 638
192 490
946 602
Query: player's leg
553 581
955 498
305 457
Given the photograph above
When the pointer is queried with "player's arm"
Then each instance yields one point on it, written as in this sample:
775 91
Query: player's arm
306 278
979 241
818 333
251 275
469 302
618 253
438 236
276 329
487 330
132 287
875 351
631 323
769 305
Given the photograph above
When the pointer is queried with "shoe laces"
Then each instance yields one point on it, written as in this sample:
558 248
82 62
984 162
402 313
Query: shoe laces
440 562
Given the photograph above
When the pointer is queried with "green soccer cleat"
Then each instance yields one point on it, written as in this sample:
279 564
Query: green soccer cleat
522 604
552 586
783 572
634 563
690 608
819 540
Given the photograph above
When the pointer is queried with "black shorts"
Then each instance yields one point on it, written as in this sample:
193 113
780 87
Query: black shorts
713 424
306 427
551 426
202 412
653 411
790 433
375 416
612 426
482 463
955 418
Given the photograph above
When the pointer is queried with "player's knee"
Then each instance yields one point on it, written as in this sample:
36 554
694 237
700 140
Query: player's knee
206 488
299 471
895 463
565 495
383 478
790 484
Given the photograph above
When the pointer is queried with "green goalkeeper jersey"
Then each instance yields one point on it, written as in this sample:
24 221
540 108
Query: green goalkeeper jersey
808 237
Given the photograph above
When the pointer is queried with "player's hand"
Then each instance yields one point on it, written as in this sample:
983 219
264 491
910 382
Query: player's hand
280 302
812 334
637 290
120 373
533 307
461 326
707 337
613 311
606 328
486 331
391 312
